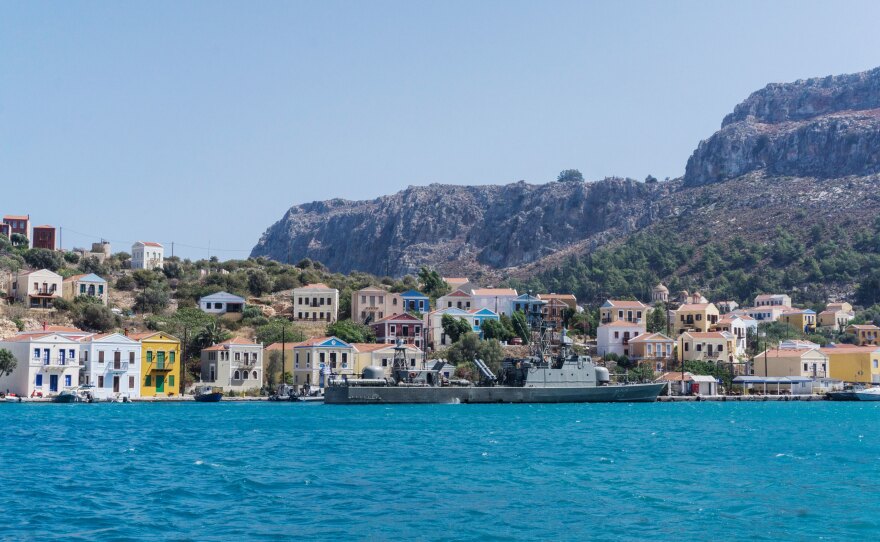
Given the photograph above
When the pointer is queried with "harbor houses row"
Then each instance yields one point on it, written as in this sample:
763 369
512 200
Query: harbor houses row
40 289
697 330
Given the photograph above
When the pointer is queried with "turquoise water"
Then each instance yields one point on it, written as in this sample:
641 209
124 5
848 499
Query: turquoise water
188 471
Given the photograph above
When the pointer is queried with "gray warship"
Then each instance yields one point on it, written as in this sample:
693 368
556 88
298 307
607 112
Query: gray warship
542 377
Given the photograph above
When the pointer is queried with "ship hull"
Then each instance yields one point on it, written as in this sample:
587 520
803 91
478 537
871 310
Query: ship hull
634 393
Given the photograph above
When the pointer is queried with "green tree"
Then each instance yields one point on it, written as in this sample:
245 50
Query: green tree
92 265
19 240
454 328
470 346
259 282
433 284
272 332
351 332
868 291
521 326
209 335
570 175
657 319
154 298
41 258
94 317
7 362
494 329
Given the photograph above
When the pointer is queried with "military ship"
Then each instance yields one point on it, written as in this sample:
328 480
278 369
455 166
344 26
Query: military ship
543 377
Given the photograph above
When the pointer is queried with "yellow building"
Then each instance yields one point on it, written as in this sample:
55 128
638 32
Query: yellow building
802 320
714 346
803 362
160 364
865 333
854 363
627 311
382 355
652 349
696 317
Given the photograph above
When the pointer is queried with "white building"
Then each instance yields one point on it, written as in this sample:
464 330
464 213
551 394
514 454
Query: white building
86 285
48 362
741 325
111 363
36 289
147 255
773 300
459 299
614 337
316 302
234 365
221 303
497 300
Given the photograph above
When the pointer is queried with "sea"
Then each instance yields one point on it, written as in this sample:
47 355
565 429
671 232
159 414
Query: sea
279 471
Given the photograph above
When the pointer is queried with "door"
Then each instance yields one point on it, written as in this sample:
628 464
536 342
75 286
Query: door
115 384
160 383
53 382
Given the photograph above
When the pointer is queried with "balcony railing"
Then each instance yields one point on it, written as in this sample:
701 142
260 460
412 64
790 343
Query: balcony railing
117 367
162 365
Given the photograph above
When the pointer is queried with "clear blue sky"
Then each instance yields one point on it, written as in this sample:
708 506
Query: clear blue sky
202 122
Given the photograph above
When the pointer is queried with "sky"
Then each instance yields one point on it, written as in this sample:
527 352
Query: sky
201 123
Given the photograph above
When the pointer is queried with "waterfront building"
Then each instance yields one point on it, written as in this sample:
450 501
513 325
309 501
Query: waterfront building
497 300
711 346
382 355
415 302
36 289
147 255
160 363
800 319
222 303
234 365
111 363
372 303
614 337
404 327
20 224
531 306
316 359
689 384
850 363
614 310
773 300
85 285
47 362
864 333
699 317
458 299
44 237
316 302
810 363
475 319
652 349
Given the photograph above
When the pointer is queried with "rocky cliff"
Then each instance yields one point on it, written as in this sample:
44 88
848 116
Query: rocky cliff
824 127
449 226
775 151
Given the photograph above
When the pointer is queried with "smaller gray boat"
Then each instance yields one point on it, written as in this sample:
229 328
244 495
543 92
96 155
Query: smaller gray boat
848 393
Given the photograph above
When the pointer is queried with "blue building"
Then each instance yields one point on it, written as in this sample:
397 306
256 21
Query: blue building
414 301
480 317
530 305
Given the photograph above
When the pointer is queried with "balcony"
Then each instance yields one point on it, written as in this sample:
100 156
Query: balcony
117 367
58 363
162 365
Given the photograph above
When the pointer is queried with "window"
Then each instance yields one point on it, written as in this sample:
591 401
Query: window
148 380
149 358
687 347
344 359
699 348
171 356
100 356
38 380
171 380
130 357
237 356
805 366
721 348
236 375
85 355
616 334
100 289
82 289
100 381
875 363
412 362
131 382
244 375
255 375
321 357
67 380
36 353
384 363
117 357
393 329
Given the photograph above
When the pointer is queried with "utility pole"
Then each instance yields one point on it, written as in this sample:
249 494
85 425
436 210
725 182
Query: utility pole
172 249
183 360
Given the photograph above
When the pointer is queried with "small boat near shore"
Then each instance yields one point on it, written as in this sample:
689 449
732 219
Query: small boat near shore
207 394
848 393
868 394
81 394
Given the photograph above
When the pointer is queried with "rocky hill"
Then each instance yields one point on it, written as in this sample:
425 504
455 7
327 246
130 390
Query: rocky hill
801 158
826 127
461 228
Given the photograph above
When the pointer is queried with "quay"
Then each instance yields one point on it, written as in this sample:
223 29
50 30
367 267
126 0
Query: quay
753 398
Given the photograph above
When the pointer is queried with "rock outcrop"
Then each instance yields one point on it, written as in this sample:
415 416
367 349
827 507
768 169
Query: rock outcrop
825 127
496 226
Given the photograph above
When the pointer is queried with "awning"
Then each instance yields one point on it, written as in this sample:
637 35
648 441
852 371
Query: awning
771 379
